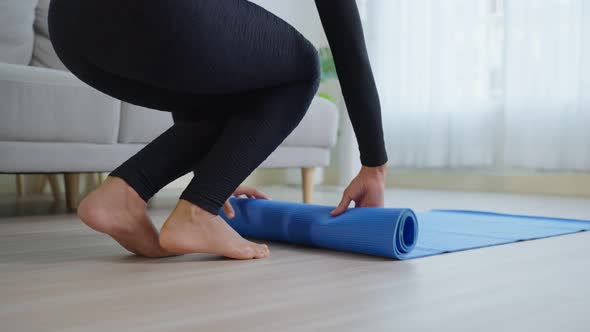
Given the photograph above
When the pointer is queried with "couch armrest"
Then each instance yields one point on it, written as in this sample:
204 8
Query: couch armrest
319 126
42 104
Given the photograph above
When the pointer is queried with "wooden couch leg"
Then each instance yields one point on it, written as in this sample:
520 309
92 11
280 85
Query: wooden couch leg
72 181
54 184
20 185
41 179
308 179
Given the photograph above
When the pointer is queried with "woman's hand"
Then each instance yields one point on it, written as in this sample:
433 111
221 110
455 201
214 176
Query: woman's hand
366 189
249 192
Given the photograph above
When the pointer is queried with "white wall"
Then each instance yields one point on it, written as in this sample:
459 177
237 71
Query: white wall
301 14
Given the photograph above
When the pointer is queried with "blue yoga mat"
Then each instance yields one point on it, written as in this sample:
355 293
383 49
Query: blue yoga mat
389 232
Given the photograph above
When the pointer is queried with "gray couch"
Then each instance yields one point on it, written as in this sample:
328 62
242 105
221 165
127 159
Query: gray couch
51 122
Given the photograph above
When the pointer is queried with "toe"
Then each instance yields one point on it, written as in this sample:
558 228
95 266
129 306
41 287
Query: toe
261 251
256 251
266 250
243 252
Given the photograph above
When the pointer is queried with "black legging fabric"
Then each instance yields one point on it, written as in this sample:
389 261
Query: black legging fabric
236 78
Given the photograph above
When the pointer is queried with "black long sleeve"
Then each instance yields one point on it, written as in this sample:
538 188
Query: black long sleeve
342 24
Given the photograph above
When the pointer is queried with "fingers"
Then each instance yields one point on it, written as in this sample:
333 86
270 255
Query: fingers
228 210
344 203
259 194
250 192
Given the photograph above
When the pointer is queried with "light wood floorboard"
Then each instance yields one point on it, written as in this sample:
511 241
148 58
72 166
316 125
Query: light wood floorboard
58 275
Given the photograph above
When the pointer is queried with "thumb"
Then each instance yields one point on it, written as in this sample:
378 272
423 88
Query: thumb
344 203
228 209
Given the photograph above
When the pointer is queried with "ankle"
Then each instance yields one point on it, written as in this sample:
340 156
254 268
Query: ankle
135 198
121 186
195 211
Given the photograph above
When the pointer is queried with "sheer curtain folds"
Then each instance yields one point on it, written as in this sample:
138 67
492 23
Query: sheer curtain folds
547 84
469 84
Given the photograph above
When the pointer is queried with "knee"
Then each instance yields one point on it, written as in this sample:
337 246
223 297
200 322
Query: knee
313 70
309 82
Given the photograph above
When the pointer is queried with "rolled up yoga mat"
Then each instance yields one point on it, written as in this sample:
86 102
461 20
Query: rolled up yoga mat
373 231
389 232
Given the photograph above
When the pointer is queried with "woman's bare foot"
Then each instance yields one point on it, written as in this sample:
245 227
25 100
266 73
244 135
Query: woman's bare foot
116 209
190 229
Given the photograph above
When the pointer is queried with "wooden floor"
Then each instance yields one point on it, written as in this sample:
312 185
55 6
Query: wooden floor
58 275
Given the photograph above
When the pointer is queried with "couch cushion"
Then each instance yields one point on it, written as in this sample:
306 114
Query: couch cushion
16 30
297 156
319 126
41 14
42 104
142 125
49 157
43 53
39 157
317 129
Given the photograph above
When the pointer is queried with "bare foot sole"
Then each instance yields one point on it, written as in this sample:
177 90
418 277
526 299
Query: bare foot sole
190 229
116 209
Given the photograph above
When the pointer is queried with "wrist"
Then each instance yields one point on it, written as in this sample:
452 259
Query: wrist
377 170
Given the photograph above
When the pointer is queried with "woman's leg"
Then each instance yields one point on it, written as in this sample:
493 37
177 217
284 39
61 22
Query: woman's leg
246 141
118 206
216 50
170 156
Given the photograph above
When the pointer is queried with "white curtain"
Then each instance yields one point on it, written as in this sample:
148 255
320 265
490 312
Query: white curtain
547 84
431 65
444 102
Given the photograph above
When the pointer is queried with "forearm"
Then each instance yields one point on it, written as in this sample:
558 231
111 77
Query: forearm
364 110
342 24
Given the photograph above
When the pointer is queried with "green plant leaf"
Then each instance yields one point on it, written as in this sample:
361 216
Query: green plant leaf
328 66
326 96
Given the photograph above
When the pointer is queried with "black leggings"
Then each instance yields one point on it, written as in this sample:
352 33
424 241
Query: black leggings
236 78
